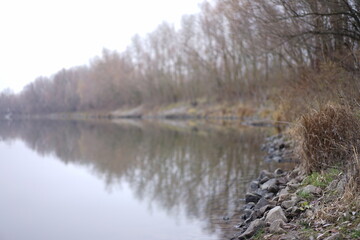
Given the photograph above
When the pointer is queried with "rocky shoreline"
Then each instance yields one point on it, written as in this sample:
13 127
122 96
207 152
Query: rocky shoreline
279 149
281 205
265 206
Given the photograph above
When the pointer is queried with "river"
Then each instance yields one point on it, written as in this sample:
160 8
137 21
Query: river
126 180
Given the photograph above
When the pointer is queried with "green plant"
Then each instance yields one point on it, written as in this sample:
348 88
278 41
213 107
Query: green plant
306 229
305 195
323 179
259 235
355 234
304 205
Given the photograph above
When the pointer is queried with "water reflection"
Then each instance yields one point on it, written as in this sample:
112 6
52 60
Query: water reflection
200 171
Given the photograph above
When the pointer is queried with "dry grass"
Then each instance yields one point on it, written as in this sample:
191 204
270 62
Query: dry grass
353 183
329 137
312 88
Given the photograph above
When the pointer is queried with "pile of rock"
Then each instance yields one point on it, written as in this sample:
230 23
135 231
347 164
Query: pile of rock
278 149
271 201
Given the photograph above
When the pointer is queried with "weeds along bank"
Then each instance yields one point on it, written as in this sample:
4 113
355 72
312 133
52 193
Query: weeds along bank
329 139
320 198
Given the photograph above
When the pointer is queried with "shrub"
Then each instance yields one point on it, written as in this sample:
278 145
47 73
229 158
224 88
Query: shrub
329 138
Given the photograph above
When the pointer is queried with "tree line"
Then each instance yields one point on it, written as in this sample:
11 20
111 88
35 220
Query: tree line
232 50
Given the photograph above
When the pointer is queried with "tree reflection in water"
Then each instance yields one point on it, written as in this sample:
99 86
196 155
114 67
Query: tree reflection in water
203 171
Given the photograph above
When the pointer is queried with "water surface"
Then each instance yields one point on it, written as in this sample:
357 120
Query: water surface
138 180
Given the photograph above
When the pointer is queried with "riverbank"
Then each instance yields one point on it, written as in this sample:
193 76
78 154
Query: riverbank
186 110
224 114
319 199
293 205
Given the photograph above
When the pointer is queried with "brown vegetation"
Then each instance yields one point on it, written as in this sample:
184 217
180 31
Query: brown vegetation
330 138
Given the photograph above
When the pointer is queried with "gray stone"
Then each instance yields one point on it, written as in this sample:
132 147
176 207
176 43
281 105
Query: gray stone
300 178
295 210
279 171
261 203
252 216
252 229
270 185
265 208
264 180
309 213
265 173
278 159
284 194
252 197
282 181
249 205
254 185
333 184
296 172
310 189
295 198
340 188
261 192
276 226
288 204
293 186
293 181
269 195
275 214
247 213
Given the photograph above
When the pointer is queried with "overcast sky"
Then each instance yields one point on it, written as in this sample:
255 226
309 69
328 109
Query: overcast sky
40 37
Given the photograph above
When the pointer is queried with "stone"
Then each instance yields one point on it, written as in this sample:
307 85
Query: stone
247 213
269 195
252 229
293 181
288 204
309 213
340 188
264 180
282 180
293 186
279 171
310 189
275 214
276 226
265 208
296 172
295 198
265 173
249 205
254 185
261 203
253 215
333 184
270 185
278 159
252 197
284 194
295 210
300 178
261 192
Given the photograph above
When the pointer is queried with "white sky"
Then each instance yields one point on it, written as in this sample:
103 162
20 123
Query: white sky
40 37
